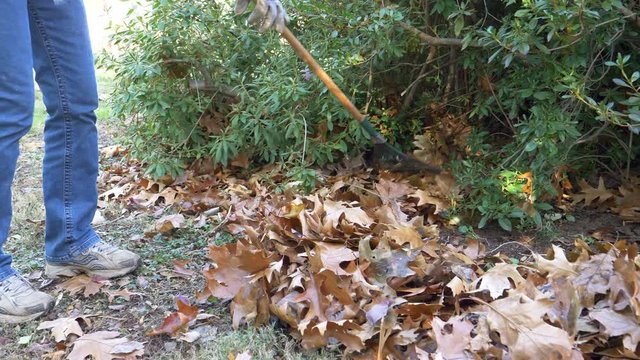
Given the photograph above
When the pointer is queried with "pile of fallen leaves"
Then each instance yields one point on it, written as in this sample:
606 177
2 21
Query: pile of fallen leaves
355 265
360 265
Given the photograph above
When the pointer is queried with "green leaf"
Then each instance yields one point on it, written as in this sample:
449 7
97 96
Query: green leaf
517 214
543 95
458 25
544 206
537 218
621 82
483 222
494 55
531 146
505 223
24 340
507 60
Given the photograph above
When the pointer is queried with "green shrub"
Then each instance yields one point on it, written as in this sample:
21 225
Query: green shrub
548 87
279 112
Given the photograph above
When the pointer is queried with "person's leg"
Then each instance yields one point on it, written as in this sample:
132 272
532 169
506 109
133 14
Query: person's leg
19 301
63 61
16 106
64 67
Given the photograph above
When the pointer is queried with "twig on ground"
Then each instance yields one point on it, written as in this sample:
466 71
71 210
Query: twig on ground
223 222
510 243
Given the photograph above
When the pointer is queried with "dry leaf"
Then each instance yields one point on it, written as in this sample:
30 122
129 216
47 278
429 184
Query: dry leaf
333 255
336 210
497 279
101 345
619 324
427 198
590 194
353 265
519 321
178 321
170 222
89 286
557 267
191 336
63 327
628 205
453 337
405 234
112 151
179 268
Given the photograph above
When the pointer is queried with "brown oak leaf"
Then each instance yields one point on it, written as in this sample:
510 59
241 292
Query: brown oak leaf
519 321
105 345
589 194
63 327
497 279
177 322
619 324
88 285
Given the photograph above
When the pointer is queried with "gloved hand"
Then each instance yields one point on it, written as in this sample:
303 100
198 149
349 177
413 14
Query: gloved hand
267 14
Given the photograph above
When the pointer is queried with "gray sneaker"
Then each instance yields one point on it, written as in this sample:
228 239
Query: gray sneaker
101 260
21 302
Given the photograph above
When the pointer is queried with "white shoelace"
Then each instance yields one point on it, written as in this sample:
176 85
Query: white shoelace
103 248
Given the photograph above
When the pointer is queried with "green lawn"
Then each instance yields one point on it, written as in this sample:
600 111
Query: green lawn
105 86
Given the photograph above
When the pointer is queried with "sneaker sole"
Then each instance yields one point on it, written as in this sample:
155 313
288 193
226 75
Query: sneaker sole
17 319
58 271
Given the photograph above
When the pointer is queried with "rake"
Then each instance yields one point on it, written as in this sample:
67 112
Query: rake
385 153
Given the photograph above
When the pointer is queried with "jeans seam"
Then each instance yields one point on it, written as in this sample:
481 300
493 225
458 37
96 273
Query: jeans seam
76 249
64 105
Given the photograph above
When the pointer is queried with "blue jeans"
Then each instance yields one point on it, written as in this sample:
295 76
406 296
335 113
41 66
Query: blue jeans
52 38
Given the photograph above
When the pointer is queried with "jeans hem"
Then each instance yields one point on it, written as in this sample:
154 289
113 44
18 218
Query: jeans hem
7 274
75 250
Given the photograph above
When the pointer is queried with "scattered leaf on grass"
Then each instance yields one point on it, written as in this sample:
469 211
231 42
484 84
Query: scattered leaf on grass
105 345
63 327
169 222
179 267
178 321
82 283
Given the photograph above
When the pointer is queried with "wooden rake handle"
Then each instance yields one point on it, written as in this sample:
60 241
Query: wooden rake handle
326 79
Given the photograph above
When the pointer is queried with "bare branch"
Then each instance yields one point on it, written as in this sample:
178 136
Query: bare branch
631 16
431 40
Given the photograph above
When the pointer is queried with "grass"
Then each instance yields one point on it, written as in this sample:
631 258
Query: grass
265 343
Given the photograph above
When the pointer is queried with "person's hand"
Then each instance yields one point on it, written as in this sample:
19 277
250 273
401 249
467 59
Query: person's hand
267 14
